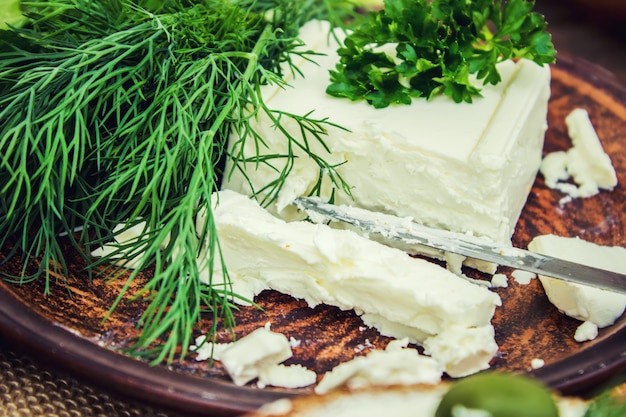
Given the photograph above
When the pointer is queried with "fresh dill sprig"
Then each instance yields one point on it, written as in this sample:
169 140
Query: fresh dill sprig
119 112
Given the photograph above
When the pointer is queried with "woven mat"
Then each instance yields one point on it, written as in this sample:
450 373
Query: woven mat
30 389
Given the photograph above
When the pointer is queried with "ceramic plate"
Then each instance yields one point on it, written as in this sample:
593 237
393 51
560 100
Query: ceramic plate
67 326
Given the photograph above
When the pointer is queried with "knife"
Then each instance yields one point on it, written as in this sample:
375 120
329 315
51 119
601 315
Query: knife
409 232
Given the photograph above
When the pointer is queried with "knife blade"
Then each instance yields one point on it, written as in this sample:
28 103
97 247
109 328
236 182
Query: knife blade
409 232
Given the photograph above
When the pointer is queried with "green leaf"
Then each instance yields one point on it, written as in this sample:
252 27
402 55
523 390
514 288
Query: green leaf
439 44
119 112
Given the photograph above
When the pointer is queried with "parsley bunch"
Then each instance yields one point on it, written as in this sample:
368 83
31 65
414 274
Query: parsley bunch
438 45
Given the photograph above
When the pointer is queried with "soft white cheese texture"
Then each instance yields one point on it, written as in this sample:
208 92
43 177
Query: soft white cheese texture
586 331
582 302
396 365
585 162
400 295
464 167
418 401
259 355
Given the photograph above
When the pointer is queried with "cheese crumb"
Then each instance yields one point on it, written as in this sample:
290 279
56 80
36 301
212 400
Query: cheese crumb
205 350
294 343
257 356
396 365
586 331
463 351
499 281
523 277
292 376
537 363
586 162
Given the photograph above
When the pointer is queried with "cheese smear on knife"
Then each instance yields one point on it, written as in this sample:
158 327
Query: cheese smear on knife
400 295
458 166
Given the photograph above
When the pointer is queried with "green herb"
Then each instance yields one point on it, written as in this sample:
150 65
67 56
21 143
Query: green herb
498 394
10 14
607 405
118 112
608 399
438 45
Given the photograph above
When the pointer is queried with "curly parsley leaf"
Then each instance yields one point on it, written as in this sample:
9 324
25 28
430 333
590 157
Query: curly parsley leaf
425 48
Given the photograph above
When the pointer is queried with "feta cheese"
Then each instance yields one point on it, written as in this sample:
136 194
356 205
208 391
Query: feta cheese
245 359
523 277
257 356
124 235
586 162
419 400
499 281
463 350
537 363
205 350
291 376
471 175
397 294
586 331
396 365
582 302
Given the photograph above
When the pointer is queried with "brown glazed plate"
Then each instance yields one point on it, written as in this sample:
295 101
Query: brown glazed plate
67 327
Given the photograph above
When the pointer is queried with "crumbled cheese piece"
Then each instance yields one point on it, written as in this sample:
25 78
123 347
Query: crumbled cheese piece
292 376
399 295
586 331
362 346
282 406
257 356
396 365
125 236
294 343
586 162
537 363
245 359
583 302
206 350
499 281
454 262
463 350
523 277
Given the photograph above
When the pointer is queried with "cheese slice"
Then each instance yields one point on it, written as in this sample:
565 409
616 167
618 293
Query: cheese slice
412 297
582 302
464 167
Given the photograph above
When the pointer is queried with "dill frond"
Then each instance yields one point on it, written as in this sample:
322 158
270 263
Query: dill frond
118 112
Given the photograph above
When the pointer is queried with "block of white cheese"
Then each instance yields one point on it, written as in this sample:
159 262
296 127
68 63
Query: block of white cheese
337 267
459 166
582 302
